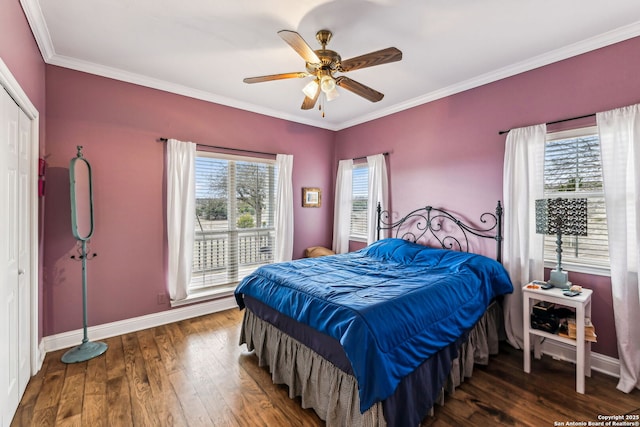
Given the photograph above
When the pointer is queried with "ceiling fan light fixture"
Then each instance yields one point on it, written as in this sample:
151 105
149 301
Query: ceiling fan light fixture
327 84
310 89
332 94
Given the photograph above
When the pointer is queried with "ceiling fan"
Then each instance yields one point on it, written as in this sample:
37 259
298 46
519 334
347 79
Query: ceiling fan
321 64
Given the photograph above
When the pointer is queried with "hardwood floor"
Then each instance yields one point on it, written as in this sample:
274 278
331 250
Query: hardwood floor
193 373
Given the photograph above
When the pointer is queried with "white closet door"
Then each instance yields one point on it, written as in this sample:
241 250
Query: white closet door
15 313
9 255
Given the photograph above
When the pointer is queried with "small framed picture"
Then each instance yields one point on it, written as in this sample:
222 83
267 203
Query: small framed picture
311 197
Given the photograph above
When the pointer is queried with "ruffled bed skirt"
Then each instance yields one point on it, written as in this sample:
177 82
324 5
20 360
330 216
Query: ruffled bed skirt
331 392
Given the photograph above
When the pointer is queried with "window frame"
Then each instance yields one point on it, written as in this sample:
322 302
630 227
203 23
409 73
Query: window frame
570 265
355 237
226 289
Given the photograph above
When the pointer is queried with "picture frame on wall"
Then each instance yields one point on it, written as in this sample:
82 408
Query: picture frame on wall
311 197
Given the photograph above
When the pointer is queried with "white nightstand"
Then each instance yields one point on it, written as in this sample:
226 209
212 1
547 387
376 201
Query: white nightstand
582 305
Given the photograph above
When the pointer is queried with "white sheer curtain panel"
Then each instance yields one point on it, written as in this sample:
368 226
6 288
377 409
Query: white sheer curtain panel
181 207
342 207
378 193
620 147
284 209
523 183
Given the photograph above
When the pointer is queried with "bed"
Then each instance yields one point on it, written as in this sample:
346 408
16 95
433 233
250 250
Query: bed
375 337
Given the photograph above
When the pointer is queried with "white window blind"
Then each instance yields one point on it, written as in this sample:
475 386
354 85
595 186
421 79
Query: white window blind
360 190
573 169
234 233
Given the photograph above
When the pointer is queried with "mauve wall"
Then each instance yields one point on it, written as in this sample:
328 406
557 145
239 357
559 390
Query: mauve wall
119 124
19 51
449 153
21 55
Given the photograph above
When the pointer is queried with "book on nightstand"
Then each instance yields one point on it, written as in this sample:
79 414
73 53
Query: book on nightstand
568 329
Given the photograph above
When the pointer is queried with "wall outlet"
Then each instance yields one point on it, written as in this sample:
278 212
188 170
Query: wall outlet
162 299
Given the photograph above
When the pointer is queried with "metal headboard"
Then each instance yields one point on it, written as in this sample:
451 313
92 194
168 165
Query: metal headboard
431 223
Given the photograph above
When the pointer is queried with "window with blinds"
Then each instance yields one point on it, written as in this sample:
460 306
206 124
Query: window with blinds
573 169
360 194
234 233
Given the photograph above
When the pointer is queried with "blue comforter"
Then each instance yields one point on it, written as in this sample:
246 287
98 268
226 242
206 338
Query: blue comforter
391 305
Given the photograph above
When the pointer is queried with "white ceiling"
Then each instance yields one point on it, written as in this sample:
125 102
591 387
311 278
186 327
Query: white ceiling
204 48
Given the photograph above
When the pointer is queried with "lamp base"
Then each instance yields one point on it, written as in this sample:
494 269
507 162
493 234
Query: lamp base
85 351
559 279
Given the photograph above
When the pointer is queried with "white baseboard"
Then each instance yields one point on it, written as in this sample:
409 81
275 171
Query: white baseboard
107 330
41 354
599 362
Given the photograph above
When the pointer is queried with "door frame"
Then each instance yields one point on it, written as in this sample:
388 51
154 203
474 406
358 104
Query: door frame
11 85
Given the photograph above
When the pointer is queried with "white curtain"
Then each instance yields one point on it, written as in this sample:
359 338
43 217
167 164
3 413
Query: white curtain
284 209
523 249
342 207
620 146
378 193
181 207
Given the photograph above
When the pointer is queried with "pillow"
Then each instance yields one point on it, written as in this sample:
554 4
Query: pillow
316 251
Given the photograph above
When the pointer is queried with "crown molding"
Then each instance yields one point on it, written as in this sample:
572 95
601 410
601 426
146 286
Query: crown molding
43 39
584 46
163 85
39 28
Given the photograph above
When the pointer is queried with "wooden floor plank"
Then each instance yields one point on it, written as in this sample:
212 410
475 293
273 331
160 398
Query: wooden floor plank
114 358
71 398
25 411
142 404
94 408
118 398
51 388
169 355
224 378
197 373
193 408
119 402
253 396
44 417
166 403
194 373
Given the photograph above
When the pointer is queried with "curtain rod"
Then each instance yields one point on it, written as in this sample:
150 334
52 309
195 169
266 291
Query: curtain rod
386 153
241 150
502 132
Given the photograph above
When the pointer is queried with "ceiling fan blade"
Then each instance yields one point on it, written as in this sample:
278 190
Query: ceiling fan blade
282 76
359 89
309 103
379 57
298 44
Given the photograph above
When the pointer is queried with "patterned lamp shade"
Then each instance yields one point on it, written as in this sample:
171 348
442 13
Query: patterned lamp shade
561 217
567 216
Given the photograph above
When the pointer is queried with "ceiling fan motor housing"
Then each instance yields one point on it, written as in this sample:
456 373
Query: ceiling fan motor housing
329 60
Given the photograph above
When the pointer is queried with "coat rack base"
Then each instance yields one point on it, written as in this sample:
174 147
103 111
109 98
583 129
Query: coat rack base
85 351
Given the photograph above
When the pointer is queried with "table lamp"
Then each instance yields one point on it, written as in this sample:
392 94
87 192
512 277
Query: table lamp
561 216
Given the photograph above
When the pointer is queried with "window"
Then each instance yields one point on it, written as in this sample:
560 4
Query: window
573 169
360 194
234 235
